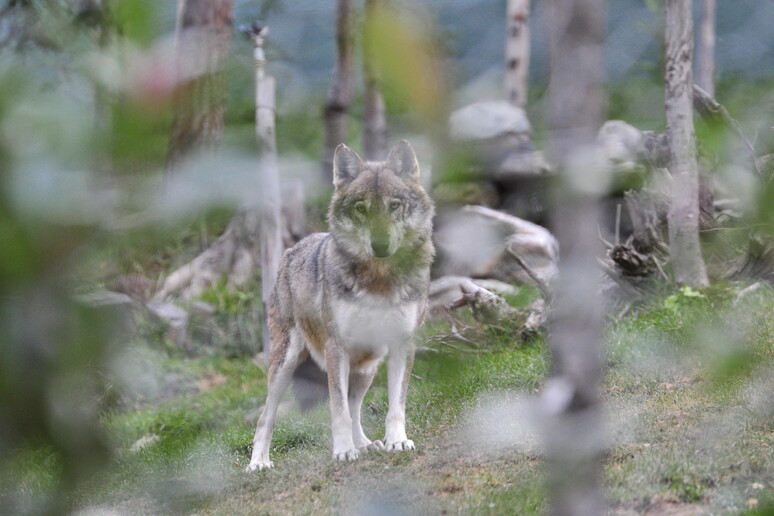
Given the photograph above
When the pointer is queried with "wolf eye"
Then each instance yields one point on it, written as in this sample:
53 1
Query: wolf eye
394 205
360 207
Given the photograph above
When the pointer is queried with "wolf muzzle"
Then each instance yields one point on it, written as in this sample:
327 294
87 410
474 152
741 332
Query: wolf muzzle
380 239
381 248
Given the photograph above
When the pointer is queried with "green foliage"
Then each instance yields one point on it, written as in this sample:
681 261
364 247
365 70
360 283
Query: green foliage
684 484
762 509
685 299
136 20
238 319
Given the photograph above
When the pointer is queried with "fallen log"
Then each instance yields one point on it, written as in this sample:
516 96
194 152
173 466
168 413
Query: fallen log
534 247
447 290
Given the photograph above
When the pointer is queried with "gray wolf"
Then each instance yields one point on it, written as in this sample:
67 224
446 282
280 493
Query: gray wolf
350 298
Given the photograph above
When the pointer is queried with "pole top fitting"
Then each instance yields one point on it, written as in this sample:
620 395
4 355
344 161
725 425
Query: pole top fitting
256 31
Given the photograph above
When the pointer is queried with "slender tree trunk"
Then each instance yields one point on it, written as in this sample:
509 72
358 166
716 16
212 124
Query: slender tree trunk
571 398
517 52
706 65
374 119
270 234
203 41
336 109
683 215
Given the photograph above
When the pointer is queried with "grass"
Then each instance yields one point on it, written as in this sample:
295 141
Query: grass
685 387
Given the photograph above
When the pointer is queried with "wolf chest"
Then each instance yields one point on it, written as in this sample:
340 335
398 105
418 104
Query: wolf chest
374 324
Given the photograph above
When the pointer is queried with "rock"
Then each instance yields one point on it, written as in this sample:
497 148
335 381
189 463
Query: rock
116 306
177 320
106 298
202 309
488 119
134 285
499 136
622 144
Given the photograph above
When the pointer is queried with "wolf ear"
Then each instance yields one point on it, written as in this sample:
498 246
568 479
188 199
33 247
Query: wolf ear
346 165
403 161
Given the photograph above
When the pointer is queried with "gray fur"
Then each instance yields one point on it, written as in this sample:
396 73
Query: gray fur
333 288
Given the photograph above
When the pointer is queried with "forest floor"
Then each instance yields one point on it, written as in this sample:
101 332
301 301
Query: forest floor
688 389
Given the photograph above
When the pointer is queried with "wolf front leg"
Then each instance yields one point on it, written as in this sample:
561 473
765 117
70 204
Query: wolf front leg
337 364
359 382
399 364
284 360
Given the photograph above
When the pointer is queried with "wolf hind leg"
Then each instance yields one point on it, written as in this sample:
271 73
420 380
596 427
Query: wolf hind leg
280 374
359 383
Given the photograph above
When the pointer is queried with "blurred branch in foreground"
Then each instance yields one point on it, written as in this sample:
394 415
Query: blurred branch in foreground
203 38
574 429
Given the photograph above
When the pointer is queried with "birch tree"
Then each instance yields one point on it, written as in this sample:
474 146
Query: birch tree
571 398
517 52
270 234
683 215
705 76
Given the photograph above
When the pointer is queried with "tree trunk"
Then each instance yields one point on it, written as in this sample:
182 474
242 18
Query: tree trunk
571 397
706 65
683 216
340 94
203 42
374 120
517 52
270 234
234 254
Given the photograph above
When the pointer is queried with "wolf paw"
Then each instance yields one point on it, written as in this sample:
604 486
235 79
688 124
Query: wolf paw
406 445
259 465
372 446
346 456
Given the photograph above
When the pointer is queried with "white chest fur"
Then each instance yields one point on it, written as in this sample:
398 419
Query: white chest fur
374 324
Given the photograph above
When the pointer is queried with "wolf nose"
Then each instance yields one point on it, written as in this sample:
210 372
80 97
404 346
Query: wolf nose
381 248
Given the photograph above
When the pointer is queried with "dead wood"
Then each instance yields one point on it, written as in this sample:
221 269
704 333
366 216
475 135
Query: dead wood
488 307
757 262
445 292
233 255
535 248
714 112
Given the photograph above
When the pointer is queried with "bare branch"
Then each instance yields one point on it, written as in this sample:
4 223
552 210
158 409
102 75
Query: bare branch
712 111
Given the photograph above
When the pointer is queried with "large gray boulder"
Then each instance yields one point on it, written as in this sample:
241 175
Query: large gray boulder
499 137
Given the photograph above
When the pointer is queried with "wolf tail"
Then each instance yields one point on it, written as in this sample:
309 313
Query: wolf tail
310 385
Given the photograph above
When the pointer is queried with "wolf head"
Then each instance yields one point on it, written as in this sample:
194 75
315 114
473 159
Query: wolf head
379 210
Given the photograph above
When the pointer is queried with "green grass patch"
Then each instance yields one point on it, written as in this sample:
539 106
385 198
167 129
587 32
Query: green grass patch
686 384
